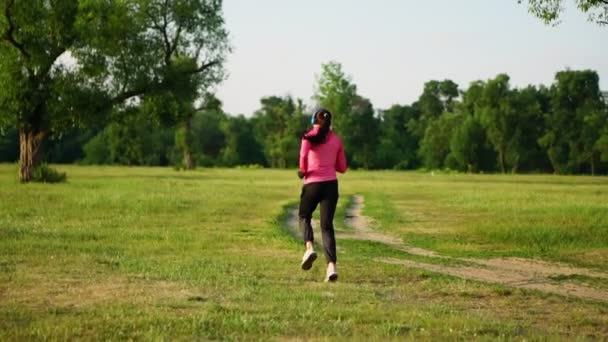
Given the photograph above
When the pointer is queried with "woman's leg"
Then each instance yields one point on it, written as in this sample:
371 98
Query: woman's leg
308 203
328 210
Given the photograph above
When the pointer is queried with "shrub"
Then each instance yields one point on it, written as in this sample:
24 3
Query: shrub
46 174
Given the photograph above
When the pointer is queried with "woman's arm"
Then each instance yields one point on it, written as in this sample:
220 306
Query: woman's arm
304 149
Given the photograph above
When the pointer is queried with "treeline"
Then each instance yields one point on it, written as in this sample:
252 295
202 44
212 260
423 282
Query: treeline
488 127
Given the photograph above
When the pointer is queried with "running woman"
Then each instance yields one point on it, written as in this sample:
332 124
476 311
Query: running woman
321 155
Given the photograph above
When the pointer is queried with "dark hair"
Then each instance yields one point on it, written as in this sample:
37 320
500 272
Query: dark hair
322 117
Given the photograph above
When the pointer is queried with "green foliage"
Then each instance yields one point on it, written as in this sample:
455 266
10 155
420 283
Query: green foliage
97 150
550 10
397 146
9 146
242 148
575 123
335 91
353 118
435 145
602 147
279 125
469 148
136 140
45 174
163 53
208 137
437 98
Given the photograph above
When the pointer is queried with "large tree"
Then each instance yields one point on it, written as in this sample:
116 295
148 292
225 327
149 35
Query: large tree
499 117
437 98
575 122
66 63
353 115
550 10
279 124
397 146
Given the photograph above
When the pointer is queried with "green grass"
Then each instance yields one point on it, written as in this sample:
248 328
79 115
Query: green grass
152 253
552 217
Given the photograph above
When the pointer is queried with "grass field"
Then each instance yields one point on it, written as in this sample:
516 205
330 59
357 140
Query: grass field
150 253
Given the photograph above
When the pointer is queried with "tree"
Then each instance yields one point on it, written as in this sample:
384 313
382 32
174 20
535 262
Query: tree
242 148
470 149
361 133
335 91
575 122
437 98
499 116
397 147
68 63
550 10
523 150
208 139
353 115
435 145
279 125
134 139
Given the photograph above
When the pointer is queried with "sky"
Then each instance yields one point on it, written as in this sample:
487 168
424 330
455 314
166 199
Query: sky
390 48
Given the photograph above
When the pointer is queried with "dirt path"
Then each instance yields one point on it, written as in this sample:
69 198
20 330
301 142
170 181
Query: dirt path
516 272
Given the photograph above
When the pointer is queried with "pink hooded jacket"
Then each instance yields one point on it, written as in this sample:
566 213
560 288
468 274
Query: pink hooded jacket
320 162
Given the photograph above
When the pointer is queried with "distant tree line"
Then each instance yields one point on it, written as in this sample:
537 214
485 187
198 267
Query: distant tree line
488 127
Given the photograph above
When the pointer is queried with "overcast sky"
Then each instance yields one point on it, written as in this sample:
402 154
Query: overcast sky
390 48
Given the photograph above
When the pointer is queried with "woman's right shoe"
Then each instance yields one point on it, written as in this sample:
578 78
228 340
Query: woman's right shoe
309 257
332 274
332 277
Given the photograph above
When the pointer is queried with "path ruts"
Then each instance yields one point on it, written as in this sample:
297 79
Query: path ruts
516 272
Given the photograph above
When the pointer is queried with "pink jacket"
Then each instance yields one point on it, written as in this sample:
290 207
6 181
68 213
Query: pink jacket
320 162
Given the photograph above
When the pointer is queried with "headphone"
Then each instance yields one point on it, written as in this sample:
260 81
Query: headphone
313 119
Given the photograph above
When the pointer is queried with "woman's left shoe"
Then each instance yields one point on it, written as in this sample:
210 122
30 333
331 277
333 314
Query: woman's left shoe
309 257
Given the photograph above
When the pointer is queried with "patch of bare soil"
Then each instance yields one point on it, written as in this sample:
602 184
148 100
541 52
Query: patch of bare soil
79 293
516 272
521 278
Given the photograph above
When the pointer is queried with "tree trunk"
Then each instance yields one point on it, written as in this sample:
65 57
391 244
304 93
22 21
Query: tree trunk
188 158
501 157
553 160
592 162
515 166
30 154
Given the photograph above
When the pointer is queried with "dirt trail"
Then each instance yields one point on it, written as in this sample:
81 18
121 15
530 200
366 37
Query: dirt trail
516 272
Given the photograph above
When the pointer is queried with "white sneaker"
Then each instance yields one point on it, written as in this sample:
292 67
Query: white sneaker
309 257
332 274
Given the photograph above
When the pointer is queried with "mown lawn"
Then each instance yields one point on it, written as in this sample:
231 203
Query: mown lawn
152 253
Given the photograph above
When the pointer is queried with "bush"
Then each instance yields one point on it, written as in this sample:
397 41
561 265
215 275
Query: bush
46 174
402 165
97 150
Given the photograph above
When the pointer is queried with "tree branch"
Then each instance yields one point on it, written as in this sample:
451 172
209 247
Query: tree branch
204 67
153 85
165 35
44 72
8 35
129 94
176 39
162 30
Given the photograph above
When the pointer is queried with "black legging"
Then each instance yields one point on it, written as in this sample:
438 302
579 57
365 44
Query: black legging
325 193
